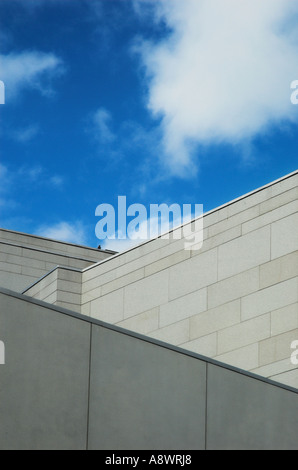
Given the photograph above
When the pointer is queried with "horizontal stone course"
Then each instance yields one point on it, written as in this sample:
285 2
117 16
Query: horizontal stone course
246 358
233 288
244 253
234 299
175 310
243 334
279 270
277 348
271 298
269 217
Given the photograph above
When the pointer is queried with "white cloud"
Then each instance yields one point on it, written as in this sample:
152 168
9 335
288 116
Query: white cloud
3 173
65 232
5 179
119 245
6 203
222 74
57 181
27 177
149 228
26 134
101 122
29 69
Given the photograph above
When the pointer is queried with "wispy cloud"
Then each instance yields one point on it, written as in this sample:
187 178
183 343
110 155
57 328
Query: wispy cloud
221 75
3 176
56 181
25 134
38 176
6 201
125 141
29 70
102 126
64 231
149 228
28 177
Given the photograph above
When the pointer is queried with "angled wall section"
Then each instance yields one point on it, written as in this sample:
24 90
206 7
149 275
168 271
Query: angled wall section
44 383
24 259
234 300
71 382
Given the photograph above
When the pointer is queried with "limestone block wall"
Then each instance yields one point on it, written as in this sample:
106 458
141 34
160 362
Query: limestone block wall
25 258
235 299
61 287
71 383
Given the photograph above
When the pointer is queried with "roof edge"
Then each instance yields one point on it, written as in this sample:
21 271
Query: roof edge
206 214
144 338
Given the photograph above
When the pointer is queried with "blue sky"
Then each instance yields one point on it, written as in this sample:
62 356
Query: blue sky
164 101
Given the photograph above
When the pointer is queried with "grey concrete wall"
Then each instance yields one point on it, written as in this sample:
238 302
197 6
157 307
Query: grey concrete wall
44 383
235 299
70 382
61 287
26 258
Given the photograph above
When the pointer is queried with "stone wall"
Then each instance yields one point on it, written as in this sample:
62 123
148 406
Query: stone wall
24 259
235 299
73 383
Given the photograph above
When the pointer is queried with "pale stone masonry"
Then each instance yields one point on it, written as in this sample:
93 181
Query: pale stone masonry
235 299
24 259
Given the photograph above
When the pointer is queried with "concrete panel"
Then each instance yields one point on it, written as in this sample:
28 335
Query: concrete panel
15 282
47 245
272 298
143 323
251 200
246 358
244 253
269 217
276 368
247 414
69 306
146 294
69 274
279 270
69 297
195 273
277 348
291 181
10 249
143 396
217 240
108 308
182 308
123 281
233 288
245 333
284 235
290 378
164 263
237 219
90 283
44 384
69 286
284 319
279 200
10 268
206 346
215 319
173 334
